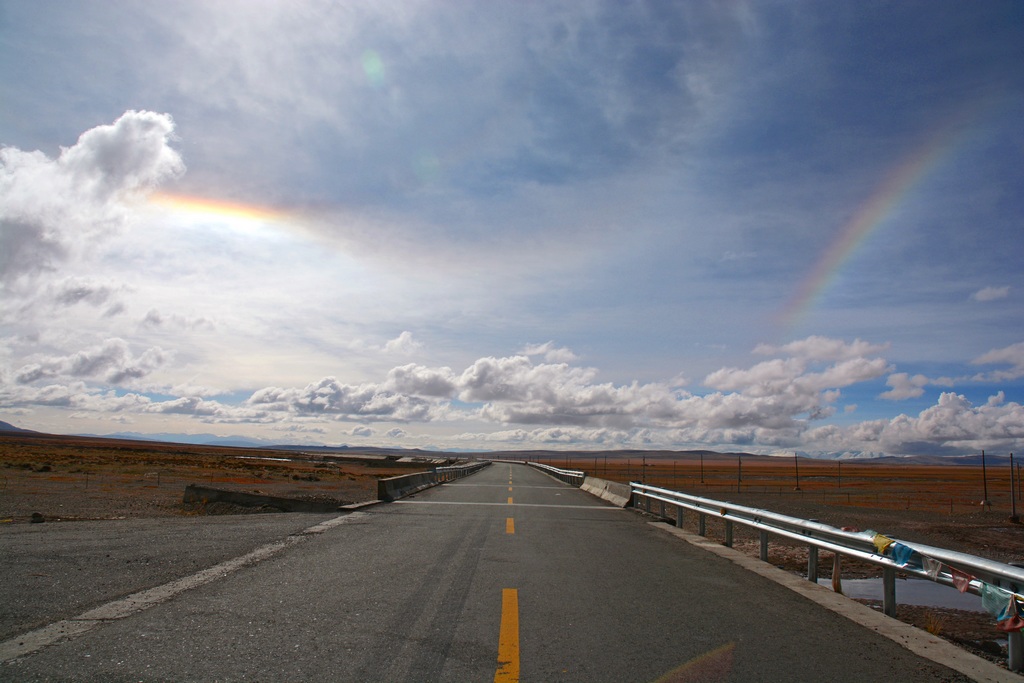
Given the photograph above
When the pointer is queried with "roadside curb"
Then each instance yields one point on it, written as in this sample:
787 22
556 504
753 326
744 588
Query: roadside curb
910 637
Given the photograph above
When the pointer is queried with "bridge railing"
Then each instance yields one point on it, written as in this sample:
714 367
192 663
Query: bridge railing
571 477
453 472
394 488
968 573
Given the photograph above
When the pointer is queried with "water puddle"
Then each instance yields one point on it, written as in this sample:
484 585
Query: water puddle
919 592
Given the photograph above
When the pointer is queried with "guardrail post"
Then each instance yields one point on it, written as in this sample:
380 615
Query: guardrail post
812 563
661 507
1015 651
764 546
728 533
702 524
679 516
889 591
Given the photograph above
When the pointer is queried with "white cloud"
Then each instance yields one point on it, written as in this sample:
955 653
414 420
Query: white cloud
422 381
550 352
991 293
818 348
50 207
904 386
1012 355
111 362
772 404
333 399
403 344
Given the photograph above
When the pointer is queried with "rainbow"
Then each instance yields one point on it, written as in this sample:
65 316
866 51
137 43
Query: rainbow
217 208
890 193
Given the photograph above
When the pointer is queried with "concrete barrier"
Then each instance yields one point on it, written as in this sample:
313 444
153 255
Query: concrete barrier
393 488
612 491
204 494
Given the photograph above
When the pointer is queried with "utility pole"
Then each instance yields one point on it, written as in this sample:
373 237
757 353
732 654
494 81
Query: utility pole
796 462
1013 498
984 482
739 472
702 468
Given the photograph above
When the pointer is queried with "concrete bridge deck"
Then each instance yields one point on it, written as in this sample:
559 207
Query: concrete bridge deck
505 575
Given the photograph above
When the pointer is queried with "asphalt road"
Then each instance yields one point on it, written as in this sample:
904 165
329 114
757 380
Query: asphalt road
505 575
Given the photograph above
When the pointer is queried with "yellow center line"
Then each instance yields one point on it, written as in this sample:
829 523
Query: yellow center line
508 638
510 500
510 525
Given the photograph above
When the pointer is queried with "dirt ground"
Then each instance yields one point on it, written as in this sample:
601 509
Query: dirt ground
66 479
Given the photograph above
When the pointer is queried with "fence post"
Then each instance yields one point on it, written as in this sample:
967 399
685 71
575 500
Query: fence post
812 563
889 591
764 546
1015 651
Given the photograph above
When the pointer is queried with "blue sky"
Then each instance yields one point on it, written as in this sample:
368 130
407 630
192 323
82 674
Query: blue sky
769 226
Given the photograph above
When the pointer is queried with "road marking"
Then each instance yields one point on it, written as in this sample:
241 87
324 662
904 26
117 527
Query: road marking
508 638
27 643
510 489
510 526
510 500
518 505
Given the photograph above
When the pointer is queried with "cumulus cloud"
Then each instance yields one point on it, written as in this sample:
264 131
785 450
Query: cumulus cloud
991 293
50 206
403 344
904 386
775 403
421 380
331 398
112 361
952 425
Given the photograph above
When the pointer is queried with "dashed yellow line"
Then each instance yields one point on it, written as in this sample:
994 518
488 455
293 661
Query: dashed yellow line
510 526
510 500
508 638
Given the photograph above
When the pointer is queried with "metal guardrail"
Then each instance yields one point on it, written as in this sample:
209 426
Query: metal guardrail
976 571
453 472
571 477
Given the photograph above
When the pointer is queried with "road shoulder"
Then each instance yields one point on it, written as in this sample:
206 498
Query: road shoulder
913 639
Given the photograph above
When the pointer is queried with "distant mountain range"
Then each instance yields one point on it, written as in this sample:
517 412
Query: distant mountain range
8 427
